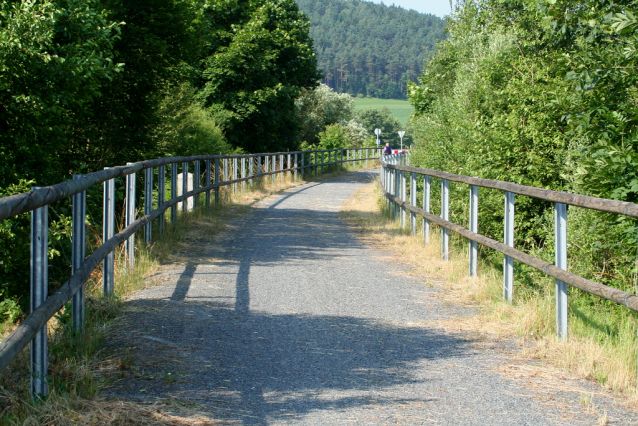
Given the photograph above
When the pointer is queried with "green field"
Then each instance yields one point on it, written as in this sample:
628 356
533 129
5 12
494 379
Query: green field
401 110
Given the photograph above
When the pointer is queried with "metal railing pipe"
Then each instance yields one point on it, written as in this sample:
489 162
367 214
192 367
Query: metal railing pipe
508 239
560 250
78 253
445 215
130 218
473 246
39 293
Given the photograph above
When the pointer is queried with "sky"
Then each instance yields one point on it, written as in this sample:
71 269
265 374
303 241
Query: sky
439 8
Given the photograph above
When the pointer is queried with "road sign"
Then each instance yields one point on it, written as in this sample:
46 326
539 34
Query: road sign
377 132
401 133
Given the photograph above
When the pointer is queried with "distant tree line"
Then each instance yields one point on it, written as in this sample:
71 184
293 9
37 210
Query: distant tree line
370 49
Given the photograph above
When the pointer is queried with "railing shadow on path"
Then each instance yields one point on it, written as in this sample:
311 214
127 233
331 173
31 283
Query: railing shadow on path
271 329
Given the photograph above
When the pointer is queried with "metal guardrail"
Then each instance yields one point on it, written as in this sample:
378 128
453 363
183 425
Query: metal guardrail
393 182
222 170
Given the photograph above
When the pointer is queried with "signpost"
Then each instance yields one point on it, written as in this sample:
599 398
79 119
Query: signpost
377 132
401 133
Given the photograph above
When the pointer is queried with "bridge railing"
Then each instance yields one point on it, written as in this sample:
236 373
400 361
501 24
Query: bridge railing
393 182
218 171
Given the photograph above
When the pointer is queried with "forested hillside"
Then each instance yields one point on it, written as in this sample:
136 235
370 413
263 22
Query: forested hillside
370 49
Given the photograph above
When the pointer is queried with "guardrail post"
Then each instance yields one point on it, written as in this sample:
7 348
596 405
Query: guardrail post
560 241
473 246
296 167
508 237
207 183
243 174
367 155
148 203
39 293
289 166
78 253
234 175
360 158
259 180
130 218
281 168
391 174
173 192
413 202
348 157
184 186
403 198
266 165
303 165
445 215
196 185
216 180
251 160
426 206
108 230
226 172
322 162
161 195
397 191
273 176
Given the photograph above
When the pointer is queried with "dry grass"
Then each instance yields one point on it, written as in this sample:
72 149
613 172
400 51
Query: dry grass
529 319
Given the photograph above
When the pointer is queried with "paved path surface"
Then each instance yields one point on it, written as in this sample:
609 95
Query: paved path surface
289 319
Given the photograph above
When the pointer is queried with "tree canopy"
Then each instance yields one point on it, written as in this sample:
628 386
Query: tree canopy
262 61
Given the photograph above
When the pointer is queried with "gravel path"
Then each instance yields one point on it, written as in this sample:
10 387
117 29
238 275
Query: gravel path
289 319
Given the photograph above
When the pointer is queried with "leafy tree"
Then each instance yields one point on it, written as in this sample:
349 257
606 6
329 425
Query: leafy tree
320 107
55 59
373 118
184 127
263 61
333 137
157 47
358 135
81 86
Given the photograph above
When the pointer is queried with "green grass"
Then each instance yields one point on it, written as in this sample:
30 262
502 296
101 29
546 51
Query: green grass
401 110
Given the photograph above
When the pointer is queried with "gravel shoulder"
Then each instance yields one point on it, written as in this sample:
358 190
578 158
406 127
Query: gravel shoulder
289 319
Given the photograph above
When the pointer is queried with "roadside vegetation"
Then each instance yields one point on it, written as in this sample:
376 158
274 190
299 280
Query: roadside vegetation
92 84
602 344
545 99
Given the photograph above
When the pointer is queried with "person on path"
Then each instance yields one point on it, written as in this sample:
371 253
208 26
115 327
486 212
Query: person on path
388 149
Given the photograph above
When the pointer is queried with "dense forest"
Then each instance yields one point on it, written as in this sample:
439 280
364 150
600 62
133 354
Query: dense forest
541 94
370 49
